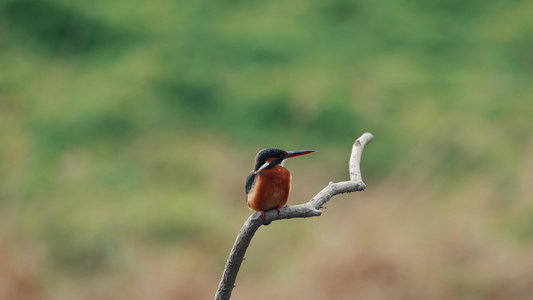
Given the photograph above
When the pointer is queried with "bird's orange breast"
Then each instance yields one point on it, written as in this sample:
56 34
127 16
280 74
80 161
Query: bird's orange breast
270 190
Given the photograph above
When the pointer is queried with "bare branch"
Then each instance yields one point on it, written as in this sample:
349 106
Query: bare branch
309 209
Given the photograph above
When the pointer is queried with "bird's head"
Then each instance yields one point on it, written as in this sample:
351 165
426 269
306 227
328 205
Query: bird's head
271 157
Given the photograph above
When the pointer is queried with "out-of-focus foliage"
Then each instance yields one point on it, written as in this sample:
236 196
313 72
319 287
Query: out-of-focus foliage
127 129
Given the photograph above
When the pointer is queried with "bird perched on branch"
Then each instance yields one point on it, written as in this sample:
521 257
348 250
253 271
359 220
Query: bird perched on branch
269 184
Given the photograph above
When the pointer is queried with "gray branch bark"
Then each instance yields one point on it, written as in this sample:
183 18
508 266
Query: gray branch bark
309 209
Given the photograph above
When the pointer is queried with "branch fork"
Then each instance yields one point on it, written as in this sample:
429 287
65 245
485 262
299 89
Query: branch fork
305 210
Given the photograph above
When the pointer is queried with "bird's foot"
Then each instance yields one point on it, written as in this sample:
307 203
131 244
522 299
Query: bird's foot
264 217
278 209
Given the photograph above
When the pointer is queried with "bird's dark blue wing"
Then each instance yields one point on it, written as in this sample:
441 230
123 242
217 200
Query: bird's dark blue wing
250 180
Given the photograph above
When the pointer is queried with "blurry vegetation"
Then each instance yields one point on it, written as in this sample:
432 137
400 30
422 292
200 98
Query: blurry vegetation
127 129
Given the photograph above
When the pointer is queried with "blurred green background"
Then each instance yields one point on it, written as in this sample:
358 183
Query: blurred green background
127 130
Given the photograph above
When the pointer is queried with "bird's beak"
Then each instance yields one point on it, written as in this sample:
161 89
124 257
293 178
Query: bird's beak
298 153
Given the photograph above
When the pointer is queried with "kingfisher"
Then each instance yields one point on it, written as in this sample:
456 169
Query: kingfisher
269 184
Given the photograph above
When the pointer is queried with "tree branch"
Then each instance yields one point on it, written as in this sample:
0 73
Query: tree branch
309 209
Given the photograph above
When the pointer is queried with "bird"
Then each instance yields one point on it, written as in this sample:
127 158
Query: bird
269 184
